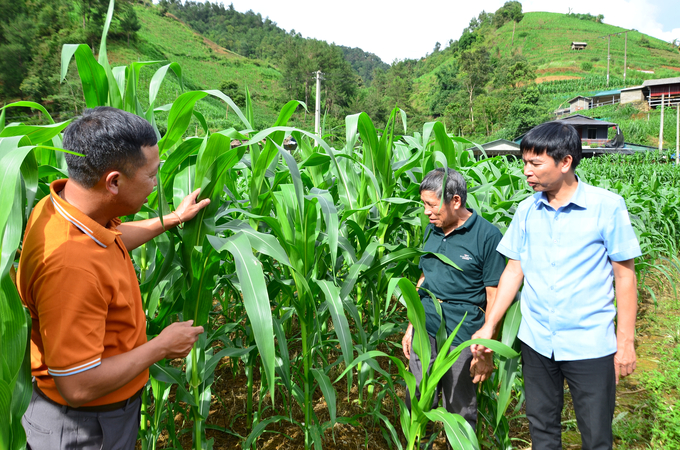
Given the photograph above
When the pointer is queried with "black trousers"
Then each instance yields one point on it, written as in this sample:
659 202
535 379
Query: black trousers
592 383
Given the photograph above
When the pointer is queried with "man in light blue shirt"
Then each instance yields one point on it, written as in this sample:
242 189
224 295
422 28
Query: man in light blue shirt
568 243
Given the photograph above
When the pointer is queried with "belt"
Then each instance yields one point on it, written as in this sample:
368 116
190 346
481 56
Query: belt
98 408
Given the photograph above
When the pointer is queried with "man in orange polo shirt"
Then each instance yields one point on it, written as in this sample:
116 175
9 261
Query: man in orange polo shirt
89 352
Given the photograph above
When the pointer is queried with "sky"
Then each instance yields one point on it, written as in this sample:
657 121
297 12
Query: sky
401 29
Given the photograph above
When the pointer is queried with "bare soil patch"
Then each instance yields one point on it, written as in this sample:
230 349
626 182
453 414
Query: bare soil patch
556 78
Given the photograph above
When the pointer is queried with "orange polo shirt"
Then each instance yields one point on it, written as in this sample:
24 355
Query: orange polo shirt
78 282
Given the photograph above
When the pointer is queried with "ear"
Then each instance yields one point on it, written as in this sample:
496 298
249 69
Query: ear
565 164
456 202
112 182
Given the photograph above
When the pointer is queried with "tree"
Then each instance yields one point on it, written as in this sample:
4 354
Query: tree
526 111
512 71
129 23
16 43
466 40
511 10
475 70
230 89
446 87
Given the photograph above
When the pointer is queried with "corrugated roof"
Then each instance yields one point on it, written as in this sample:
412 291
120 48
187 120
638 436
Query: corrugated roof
661 81
632 88
610 92
577 97
579 119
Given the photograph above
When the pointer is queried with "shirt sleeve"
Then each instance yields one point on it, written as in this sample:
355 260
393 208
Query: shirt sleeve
72 312
513 240
494 262
619 236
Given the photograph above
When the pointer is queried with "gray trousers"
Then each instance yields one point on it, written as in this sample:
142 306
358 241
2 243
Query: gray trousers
456 388
52 427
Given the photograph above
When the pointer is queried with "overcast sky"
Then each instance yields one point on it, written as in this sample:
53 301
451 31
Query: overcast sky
399 29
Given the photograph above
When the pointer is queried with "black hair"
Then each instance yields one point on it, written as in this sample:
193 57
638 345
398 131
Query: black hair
110 139
455 184
558 139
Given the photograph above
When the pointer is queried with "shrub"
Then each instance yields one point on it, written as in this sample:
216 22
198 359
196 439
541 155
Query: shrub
586 66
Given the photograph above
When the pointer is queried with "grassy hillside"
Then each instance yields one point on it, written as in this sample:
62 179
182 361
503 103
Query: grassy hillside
545 40
205 65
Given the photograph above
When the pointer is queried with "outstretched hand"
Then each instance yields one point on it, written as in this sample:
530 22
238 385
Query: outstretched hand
178 338
188 208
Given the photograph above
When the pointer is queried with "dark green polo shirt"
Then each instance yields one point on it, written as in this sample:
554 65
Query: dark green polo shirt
472 247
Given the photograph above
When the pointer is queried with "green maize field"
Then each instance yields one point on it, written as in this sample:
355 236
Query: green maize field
301 269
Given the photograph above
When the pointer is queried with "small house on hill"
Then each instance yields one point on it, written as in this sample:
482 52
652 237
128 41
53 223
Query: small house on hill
633 94
669 88
602 98
592 131
579 103
578 45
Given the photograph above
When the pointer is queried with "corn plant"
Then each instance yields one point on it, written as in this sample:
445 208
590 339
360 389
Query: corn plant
21 149
295 266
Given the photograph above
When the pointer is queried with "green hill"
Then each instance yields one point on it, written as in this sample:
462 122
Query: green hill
220 48
205 65
545 40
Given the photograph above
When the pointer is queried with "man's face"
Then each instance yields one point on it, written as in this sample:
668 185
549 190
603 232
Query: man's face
543 174
439 217
134 190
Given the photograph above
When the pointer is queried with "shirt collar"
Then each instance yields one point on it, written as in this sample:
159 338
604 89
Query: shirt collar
467 225
103 236
578 199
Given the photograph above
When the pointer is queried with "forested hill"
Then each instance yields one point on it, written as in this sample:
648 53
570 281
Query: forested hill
249 34
507 71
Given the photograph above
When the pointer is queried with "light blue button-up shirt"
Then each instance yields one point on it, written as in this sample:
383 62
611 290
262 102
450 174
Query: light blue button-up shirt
568 297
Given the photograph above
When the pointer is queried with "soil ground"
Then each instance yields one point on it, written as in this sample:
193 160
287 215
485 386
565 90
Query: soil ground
634 420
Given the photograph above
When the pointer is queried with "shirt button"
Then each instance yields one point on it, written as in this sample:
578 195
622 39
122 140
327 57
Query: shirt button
552 310
552 288
555 241
552 264
554 333
556 217
443 240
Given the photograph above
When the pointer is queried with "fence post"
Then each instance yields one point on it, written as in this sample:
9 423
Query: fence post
677 135
661 126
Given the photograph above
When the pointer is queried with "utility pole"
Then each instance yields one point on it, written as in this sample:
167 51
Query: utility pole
661 126
625 58
317 116
625 55
609 40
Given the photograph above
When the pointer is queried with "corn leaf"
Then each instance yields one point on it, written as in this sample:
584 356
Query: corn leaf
92 75
256 301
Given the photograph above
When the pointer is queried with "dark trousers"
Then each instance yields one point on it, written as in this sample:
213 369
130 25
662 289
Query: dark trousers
592 383
458 392
53 427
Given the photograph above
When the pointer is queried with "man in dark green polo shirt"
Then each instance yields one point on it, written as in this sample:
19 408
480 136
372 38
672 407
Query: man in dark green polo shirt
469 241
